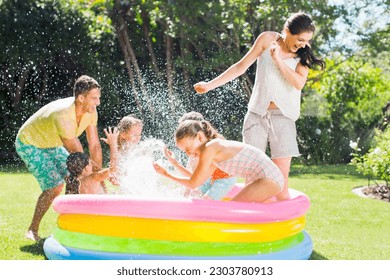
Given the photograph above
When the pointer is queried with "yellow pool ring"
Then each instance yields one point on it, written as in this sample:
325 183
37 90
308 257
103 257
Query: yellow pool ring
175 230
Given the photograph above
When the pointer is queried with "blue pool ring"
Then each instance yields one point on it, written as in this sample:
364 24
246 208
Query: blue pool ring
55 251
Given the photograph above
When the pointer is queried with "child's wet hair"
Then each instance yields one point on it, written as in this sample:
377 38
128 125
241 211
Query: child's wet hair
196 116
128 122
190 128
75 163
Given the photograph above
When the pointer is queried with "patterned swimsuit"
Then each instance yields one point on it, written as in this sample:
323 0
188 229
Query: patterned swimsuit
252 164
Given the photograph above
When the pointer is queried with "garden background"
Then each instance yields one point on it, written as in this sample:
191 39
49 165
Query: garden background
147 55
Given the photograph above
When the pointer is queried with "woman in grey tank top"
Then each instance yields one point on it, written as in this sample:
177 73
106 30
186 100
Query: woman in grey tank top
283 63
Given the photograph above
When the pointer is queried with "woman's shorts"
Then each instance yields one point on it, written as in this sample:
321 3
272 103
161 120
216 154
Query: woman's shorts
219 188
273 128
47 165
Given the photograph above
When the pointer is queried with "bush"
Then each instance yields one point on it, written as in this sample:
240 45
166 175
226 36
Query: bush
376 163
344 104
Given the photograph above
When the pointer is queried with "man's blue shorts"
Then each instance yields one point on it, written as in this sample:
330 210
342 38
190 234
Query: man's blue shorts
47 165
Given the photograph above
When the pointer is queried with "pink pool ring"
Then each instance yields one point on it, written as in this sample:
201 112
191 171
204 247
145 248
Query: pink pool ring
185 209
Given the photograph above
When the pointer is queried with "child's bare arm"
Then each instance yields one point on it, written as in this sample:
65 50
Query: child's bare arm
170 157
100 175
112 141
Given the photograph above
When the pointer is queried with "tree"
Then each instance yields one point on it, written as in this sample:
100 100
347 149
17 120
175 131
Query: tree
347 105
46 45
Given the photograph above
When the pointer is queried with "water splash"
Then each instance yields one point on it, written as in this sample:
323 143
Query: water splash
223 107
137 175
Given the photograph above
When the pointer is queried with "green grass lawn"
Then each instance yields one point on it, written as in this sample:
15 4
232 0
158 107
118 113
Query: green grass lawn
343 226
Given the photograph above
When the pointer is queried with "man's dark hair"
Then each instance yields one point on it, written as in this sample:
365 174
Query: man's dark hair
84 84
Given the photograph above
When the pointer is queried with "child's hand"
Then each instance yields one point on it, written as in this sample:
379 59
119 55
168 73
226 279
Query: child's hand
114 180
201 87
159 169
168 154
112 136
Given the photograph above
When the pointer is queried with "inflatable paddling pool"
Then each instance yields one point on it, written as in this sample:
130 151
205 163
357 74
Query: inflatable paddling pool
125 227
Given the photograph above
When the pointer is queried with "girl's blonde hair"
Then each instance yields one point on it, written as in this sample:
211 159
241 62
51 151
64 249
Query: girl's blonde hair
128 122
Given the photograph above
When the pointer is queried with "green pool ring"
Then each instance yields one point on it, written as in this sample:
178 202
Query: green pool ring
163 247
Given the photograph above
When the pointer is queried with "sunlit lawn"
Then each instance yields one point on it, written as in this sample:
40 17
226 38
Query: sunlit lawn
343 226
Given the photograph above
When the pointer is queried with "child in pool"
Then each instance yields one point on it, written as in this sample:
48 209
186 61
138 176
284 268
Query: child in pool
220 183
130 132
81 179
263 179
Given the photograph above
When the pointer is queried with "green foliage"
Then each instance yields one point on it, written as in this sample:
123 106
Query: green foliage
346 104
51 42
376 163
51 30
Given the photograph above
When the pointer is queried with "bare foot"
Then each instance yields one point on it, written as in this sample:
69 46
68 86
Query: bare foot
32 236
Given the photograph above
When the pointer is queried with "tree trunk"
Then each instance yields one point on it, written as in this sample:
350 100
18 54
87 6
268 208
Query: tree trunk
129 70
183 53
128 52
15 92
168 53
145 28
248 86
198 50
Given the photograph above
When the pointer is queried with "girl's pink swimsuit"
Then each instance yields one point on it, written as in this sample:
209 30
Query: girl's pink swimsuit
252 164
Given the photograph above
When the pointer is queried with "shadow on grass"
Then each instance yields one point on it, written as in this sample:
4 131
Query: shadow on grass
317 256
35 249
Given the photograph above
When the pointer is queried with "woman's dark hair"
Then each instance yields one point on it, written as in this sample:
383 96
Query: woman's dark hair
297 24
190 128
75 164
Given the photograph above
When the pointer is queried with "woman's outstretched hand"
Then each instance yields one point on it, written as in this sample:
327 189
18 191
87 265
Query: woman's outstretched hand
201 87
